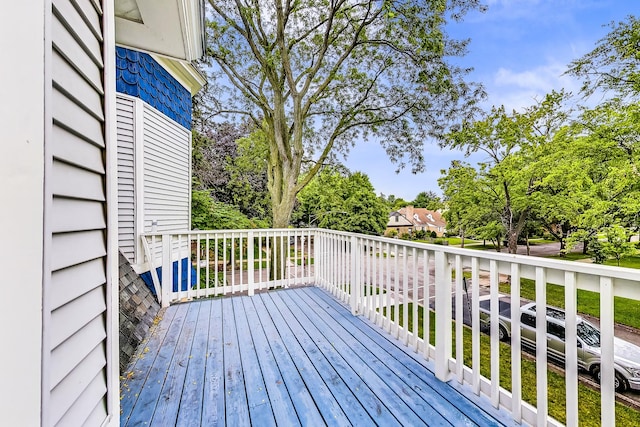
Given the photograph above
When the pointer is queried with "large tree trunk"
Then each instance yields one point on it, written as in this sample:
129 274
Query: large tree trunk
513 241
279 245
514 228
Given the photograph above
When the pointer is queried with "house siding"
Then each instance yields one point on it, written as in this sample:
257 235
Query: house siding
75 350
126 123
167 173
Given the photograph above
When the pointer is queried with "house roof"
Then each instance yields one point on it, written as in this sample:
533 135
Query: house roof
421 217
400 222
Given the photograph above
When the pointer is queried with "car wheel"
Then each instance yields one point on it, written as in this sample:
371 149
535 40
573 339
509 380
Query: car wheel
502 333
620 382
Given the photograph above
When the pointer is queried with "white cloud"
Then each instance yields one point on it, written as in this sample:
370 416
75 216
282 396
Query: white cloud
519 89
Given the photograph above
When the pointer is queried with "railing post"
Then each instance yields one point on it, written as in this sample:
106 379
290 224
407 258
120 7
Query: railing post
607 373
316 257
443 315
250 266
166 288
355 275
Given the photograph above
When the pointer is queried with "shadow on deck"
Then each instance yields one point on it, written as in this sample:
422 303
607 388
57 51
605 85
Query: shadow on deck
286 357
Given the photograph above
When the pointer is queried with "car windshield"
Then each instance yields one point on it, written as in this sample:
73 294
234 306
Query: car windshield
589 334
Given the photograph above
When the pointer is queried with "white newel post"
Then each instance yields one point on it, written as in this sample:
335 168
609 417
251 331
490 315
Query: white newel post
167 271
443 315
250 266
355 275
316 257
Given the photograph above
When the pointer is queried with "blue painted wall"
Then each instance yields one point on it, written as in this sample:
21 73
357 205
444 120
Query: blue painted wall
139 75
183 280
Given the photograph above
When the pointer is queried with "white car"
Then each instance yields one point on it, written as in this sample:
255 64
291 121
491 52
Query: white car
626 354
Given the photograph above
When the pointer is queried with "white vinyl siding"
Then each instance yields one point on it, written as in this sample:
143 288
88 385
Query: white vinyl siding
167 174
126 123
75 293
162 174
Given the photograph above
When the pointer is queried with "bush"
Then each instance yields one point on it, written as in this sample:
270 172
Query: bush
419 235
434 234
207 214
595 248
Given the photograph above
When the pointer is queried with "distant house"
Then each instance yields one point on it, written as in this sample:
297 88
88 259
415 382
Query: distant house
408 220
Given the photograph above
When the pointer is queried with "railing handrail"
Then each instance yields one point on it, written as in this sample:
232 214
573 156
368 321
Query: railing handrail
556 264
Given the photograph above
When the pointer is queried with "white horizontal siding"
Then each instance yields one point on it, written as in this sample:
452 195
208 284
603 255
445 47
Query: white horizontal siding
74 150
75 354
83 384
125 118
167 179
66 289
65 358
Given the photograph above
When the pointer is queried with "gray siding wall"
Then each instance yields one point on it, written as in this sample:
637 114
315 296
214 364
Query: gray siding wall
126 176
75 293
167 173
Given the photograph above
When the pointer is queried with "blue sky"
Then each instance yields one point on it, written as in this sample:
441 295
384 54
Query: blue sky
519 50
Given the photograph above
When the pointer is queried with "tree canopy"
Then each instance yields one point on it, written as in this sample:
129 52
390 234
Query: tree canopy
229 161
317 76
614 64
428 200
512 143
342 201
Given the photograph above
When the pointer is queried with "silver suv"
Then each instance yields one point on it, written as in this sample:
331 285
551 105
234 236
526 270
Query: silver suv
626 354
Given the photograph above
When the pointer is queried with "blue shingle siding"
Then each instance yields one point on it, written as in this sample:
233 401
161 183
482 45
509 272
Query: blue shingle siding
139 75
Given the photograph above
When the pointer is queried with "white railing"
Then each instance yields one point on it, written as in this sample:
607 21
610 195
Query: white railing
199 264
406 287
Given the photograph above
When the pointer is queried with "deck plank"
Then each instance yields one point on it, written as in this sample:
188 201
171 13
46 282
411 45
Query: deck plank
450 401
213 412
320 396
138 372
191 401
260 410
306 409
166 412
409 407
360 404
148 400
236 404
283 408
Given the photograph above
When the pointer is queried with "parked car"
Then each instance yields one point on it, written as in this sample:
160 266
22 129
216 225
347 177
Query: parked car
626 354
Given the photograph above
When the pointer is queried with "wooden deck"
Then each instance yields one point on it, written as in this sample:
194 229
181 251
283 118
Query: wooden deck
287 357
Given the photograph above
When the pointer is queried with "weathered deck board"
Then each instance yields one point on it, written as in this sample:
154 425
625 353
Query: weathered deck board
287 357
213 412
191 401
283 407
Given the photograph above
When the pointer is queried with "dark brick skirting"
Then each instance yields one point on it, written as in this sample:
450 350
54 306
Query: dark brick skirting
138 309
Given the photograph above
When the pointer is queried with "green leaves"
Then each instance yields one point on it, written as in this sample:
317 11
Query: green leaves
207 214
614 63
320 76
342 201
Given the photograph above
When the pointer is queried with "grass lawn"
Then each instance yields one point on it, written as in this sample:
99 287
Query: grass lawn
629 262
479 246
573 256
541 241
625 310
588 399
456 241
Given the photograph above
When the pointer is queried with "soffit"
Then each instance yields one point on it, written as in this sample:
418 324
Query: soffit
172 28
